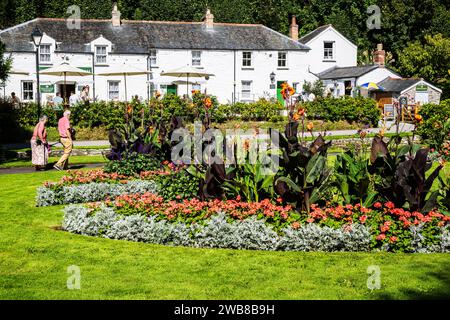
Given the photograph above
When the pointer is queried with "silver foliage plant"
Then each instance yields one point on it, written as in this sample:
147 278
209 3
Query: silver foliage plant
89 192
216 232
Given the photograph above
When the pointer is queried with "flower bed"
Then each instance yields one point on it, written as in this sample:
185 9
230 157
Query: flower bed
260 225
93 191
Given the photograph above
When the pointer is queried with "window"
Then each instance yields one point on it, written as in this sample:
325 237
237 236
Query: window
246 59
27 90
295 87
328 50
246 90
282 59
113 90
44 53
153 58
100 54
196 58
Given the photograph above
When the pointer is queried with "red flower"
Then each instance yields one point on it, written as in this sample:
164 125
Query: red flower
295 225
377 205
381 236
363 219
389 205
393 239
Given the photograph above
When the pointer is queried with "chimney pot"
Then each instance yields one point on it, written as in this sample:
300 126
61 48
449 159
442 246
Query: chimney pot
379 56
293 29
209 19
115 19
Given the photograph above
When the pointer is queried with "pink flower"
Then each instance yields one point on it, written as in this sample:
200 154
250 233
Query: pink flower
363 219
310 220
389 205
393 239
377 205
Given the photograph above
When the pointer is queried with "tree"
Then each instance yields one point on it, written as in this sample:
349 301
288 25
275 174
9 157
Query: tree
5 63
317 88
429 60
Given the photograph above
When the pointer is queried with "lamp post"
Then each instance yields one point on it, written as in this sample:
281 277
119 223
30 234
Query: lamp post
272 78
36 36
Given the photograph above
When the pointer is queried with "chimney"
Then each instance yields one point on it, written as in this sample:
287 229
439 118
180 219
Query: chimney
293 29
115 16
379 56
209 19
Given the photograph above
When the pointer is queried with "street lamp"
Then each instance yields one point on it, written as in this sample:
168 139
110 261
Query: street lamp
36 36
272 77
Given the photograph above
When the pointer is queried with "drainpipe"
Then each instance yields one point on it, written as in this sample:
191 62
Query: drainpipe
93 76
234 77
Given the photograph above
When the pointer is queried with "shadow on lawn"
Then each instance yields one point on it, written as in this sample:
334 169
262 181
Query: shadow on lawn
439 293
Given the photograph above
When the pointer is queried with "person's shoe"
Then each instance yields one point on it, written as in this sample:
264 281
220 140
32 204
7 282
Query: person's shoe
57 168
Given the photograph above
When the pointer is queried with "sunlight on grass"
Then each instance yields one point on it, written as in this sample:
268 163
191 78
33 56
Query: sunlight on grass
34 257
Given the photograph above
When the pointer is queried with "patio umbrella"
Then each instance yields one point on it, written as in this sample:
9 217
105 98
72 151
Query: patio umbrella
372 85
188 72
124 71
18 71
64 70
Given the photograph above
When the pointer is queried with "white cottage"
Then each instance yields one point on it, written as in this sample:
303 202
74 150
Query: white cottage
249 61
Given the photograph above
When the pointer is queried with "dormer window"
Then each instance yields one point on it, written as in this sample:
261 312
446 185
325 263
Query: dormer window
328 50
100 54
44 53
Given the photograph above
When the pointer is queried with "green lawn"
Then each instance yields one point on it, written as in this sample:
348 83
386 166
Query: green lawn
34 256
17 163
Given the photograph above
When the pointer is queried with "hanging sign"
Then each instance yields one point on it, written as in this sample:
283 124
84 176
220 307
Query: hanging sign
47 88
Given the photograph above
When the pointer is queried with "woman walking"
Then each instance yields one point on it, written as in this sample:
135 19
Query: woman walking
39 146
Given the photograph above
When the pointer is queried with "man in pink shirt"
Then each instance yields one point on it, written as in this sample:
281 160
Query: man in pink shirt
66 140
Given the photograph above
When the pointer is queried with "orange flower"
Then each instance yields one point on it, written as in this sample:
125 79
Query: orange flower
418 118
207 102
310 126
286 90
296 116
129 109
301 111
157 94
194 92
246 144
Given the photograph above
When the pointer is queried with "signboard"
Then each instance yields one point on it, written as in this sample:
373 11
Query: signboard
421 88
403 102
272 86
47 88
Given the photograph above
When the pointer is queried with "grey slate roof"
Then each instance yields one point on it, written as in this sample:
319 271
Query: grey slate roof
306 38
346 72
140 36
397 85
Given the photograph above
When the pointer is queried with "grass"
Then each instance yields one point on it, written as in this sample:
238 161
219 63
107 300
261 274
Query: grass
18 163
35 255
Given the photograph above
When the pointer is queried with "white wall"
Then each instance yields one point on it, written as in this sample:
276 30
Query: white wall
345 53
376 76
220 63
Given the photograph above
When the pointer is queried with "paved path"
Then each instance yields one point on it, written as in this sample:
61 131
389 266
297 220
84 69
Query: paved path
32 170
404 127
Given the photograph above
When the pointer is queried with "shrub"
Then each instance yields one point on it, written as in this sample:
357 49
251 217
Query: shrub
434 130
91 192
134 163
360 110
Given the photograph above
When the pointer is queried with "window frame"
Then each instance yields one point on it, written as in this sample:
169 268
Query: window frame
28 91
281 59
248 92
196 59
197 86
109 89
246 60
46 54
153 57
327 51
104 55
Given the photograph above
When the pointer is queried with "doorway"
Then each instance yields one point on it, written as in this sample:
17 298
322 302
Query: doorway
69 88
279 95
348 87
